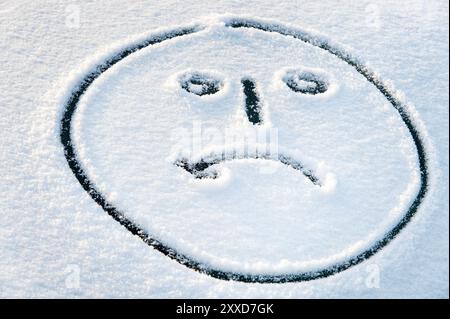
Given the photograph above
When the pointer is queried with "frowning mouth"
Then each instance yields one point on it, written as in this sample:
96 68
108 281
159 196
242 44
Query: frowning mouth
202 168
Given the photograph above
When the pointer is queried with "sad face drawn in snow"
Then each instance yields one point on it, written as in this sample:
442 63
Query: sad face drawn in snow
246 150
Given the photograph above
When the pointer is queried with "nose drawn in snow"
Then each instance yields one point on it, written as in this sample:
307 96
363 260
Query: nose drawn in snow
305 82
253 106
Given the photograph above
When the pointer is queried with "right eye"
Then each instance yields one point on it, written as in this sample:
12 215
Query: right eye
201 83
305 82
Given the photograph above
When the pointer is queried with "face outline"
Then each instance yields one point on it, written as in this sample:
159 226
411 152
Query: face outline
238 23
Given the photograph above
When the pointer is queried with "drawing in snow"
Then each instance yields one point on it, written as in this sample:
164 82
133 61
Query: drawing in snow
246 149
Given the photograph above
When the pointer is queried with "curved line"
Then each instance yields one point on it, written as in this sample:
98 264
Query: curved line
198 168
135 229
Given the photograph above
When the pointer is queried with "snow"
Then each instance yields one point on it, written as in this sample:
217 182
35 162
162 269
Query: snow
258 216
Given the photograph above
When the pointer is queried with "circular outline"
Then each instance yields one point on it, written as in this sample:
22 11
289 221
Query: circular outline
321 86
135 229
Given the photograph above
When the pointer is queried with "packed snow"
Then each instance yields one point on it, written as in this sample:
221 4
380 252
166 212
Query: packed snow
248 214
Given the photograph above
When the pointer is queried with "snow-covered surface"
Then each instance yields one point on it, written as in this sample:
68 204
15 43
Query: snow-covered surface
52 231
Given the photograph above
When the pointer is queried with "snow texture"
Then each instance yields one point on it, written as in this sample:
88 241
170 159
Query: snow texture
258 216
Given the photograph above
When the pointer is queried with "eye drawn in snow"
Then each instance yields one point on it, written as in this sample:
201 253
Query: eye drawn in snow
305 82
164 136
200 83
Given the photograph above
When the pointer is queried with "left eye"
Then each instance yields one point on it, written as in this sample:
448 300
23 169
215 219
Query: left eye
200 83
305 82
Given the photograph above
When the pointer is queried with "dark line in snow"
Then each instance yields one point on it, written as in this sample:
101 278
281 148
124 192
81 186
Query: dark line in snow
198 169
